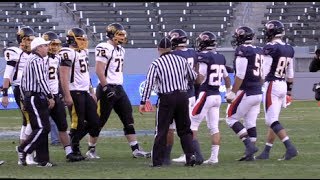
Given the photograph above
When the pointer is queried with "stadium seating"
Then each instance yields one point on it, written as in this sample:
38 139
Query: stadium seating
17 14
147 22
301 20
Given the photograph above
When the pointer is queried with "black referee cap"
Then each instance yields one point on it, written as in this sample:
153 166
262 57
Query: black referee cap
165 43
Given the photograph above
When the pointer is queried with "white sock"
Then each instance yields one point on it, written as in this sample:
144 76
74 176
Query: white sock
214 151
132 143
68 149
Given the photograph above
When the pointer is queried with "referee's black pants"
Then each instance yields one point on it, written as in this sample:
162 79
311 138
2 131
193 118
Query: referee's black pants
174 105
36 105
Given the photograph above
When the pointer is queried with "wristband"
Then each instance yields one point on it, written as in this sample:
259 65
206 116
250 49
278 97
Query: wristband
142 102
5 92
289 86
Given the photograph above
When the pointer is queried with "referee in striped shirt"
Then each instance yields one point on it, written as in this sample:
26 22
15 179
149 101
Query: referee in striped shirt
170 75
37 102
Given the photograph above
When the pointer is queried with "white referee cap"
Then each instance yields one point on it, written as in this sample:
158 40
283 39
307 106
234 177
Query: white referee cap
37 42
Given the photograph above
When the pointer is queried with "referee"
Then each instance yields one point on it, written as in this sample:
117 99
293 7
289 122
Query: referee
170 75
37 102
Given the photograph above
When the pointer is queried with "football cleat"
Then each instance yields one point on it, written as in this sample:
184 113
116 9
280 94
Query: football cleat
211 161
46 164
290 153
71 157
92 154
192 161
263 156
140 153
21 157
30 159
181 159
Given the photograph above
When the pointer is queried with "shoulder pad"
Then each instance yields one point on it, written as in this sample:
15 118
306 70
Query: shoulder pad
67 54
12 53
270 49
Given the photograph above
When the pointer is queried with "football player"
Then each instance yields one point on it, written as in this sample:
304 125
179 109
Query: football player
278 74
78 93
246 93
212 67
179 41
16 58
109 58
58 113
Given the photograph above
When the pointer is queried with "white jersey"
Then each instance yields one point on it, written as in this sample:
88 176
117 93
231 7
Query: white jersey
20 58
53 72
113 57
79 72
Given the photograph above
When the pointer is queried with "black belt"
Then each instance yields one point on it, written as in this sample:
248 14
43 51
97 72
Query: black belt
173 92
31 93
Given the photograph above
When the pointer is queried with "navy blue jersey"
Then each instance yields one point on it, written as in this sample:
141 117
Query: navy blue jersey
191 56
251 84
281 56
215 71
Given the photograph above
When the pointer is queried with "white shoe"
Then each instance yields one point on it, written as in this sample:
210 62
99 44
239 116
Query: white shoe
92 154
181 159
30 160
211 161
140 153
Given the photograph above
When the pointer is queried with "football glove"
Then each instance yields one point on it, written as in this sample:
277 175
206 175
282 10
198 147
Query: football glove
230 96
110 91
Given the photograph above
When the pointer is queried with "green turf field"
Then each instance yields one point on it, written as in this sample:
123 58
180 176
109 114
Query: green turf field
301 121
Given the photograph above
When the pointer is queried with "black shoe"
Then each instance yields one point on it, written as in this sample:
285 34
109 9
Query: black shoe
71 157
21 156
46 164
80 156
247 158
191 161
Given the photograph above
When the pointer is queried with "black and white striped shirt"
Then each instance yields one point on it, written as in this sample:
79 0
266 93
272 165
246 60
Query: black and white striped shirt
35 76
168 73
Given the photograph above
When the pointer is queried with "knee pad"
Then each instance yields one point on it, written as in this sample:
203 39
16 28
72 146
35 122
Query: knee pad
276 127
129 129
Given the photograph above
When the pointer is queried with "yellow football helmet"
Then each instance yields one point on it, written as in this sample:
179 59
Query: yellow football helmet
116 33
77 38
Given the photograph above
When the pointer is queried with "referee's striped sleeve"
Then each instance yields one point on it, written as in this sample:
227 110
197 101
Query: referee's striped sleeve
151 77
40 70
191 73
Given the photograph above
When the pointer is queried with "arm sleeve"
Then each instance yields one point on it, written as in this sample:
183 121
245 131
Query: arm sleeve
241 67
266 66
290 70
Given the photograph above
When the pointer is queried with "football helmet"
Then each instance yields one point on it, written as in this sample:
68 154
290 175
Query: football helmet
242 35
24 37
116 33
77 38
273 28
55 44
206 40
178 37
